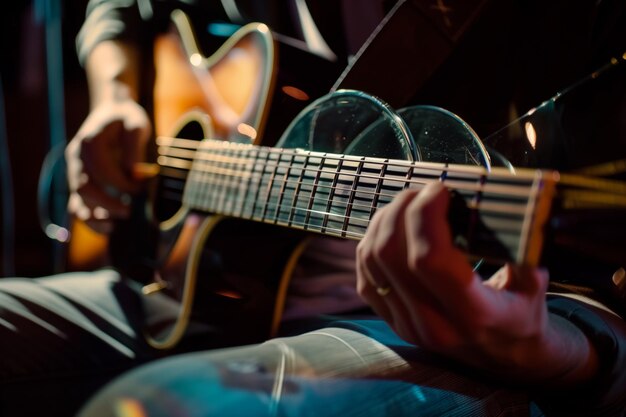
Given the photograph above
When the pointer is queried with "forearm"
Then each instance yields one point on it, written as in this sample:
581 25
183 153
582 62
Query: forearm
592 389
566 355
113 72
559 356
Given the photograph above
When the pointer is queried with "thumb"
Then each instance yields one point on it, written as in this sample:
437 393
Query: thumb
134 147
526 279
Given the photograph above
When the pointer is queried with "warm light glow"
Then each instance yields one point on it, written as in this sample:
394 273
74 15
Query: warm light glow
531 134
229 294
263 28
128 407
295 92
247 130
619 279
195 59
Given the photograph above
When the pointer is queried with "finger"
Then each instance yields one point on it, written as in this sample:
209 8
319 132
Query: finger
440 267
528 280
383 255
102 160
368 291
134 145
442 285
516 303
77 208
101 204
389 306
369 277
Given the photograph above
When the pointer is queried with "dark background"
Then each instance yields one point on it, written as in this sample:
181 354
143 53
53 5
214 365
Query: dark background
540 48
24 82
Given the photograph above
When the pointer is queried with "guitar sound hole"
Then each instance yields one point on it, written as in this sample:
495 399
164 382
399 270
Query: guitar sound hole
171 183
192 130
169 193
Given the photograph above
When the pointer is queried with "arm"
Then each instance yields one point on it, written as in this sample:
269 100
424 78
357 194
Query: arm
113 136
111 140
501 326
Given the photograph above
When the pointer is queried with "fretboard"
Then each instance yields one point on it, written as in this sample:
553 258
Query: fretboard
337 194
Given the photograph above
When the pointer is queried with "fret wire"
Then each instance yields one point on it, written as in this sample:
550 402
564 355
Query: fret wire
252 186
434 167
229 163
207 198
192 193
211 195
270 183
244 186
263 153
296 193
234 184
231 181
353 188
331 193
318 173
283 185
377 192
220 190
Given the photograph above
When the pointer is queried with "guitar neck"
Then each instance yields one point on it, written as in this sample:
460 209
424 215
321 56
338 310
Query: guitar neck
501 219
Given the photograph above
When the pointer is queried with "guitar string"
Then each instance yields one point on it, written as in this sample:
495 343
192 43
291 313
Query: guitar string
571 199
234 175
218 147
343 203
299 210
564 178
328 218
358 218
270 205
435 168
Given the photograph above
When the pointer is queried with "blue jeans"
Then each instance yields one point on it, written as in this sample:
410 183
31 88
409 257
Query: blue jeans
350 368
63 338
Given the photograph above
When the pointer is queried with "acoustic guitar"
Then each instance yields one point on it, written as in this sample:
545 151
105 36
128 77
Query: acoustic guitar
247 90
226 222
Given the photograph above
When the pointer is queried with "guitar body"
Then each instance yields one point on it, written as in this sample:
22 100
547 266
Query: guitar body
202 273
229 94
219 276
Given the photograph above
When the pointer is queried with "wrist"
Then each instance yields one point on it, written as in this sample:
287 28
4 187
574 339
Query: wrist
112 73
113 92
